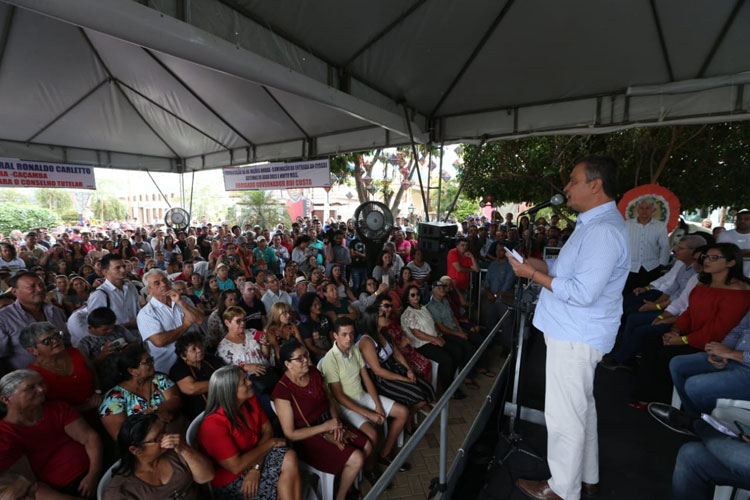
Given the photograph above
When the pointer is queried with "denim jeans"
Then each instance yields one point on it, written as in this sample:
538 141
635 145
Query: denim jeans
719 459
359 278
699 384
638 328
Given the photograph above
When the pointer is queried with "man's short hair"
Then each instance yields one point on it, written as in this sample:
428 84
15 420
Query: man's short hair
694 241
152 272
109 258
342 321
101 316
13 283
461 239
601 167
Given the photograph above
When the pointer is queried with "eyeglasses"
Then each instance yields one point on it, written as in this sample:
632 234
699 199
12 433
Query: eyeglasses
55 337
712 258
146 362
301 357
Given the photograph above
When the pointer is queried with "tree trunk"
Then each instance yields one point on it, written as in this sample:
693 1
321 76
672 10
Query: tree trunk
665 157
397 200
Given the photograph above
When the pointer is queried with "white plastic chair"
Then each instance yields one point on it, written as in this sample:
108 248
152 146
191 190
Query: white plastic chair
726 492
191 437
104 481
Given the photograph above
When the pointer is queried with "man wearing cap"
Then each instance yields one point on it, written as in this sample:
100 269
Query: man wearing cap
579 313
223 279
263 252
740 236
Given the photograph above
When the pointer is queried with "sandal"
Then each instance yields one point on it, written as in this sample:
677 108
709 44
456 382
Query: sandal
487 373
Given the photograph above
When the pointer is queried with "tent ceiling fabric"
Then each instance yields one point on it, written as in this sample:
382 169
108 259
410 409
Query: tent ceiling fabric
195 84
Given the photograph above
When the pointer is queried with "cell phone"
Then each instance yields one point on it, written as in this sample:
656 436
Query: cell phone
744 428
386 279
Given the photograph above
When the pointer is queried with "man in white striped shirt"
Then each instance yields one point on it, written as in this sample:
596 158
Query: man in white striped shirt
649 246
166 316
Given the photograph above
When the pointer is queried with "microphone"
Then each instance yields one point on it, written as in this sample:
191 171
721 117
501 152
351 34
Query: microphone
556 200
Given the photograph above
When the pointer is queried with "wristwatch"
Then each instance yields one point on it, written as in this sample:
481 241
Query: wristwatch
256 467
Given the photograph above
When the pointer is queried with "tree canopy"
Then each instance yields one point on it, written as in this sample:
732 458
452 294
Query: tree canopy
705 166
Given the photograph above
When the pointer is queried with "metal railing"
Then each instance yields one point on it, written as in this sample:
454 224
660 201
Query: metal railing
441 408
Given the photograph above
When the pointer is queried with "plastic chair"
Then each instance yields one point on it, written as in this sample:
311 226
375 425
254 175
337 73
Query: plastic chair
104 481
191 437
727 492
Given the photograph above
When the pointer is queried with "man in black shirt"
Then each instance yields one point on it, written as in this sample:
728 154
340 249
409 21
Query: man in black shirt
357 252
255 311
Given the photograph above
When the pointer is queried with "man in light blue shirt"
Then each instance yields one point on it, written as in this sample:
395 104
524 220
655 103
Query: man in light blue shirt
579 313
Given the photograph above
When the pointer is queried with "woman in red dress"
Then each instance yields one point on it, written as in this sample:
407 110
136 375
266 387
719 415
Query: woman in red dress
309 418
421 365
65 371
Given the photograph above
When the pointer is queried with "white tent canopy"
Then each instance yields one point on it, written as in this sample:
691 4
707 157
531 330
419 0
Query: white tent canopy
191 84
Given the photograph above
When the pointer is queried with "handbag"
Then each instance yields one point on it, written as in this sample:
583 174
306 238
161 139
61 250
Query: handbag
328 435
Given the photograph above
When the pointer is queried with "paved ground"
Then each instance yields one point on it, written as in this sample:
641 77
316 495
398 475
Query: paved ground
424 459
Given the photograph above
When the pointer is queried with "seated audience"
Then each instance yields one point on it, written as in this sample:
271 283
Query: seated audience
308 415
251 351
335 307
28 308
280 328
385 267
315 330
419 326
79 291
191 372
215 323
255 311
155 464
210 294
337 276
105 338
139 389
66 372
716 306
166 316
421 365
372 291
237 435
345 372
63 451
389 369
273 293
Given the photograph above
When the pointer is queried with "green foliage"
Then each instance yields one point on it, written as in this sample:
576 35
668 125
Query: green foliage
14 195
25 217
705 166
54 199
107 208
465 206
259 207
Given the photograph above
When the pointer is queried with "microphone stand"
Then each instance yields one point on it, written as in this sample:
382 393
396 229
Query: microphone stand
524 303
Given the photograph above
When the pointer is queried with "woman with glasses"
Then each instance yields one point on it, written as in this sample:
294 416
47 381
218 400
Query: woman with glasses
64 452
716 305
309 418
251 351
421 365
155 464
65 371
237 435
139 389
419 326
392 374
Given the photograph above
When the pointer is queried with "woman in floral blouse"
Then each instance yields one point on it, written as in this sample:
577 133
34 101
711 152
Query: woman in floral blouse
139 390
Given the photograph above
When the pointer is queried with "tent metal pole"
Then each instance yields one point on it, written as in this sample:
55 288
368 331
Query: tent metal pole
415 153
429 176
440 181
465 176
159 189
192 185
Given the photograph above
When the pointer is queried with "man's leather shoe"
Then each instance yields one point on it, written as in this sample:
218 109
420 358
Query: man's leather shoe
538 490
589 489
672 418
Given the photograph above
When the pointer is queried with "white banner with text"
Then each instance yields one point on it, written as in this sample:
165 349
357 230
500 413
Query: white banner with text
37 174
300 174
